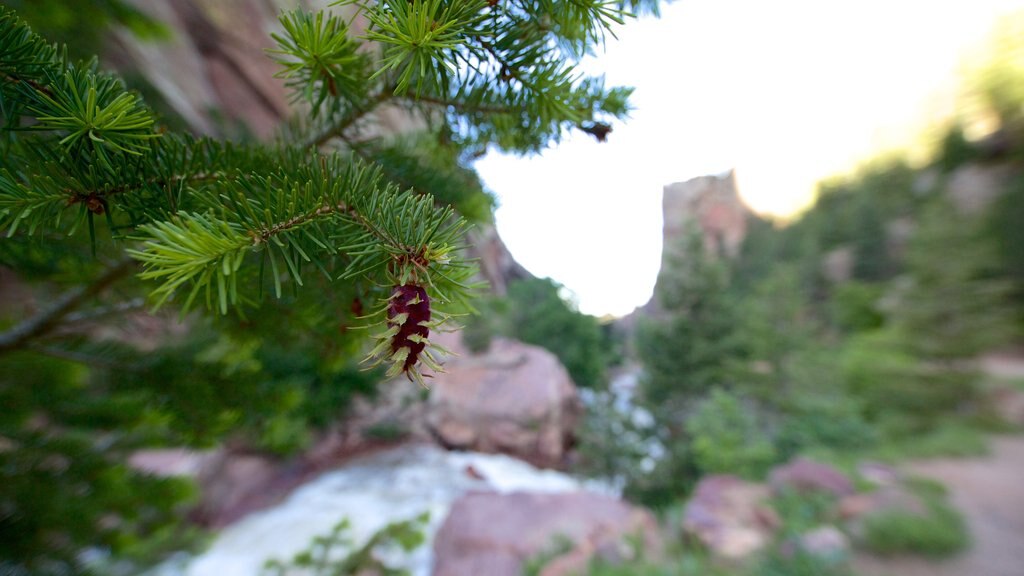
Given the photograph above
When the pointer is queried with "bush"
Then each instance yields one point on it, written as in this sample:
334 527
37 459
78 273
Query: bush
877 369
939 532
854 307
728 438
948 439
537 314
800 564
614 443
335 553
823 421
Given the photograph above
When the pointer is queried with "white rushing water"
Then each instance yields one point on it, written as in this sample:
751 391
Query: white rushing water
371 492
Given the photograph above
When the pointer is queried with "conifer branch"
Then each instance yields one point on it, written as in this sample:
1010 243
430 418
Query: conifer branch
46 320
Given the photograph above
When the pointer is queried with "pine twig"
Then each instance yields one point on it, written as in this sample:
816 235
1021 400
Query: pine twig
50 318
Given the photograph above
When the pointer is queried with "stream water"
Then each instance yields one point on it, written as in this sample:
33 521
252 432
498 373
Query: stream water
371 492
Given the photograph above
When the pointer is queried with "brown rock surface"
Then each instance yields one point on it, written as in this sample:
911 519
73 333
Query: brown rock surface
213 72
730 516
516 399
495 534
714 203
805 475
974 187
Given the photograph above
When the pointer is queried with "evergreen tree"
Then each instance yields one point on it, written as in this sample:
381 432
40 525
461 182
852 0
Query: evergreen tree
951 309
289 244
689 349
691 346
871 261
956 304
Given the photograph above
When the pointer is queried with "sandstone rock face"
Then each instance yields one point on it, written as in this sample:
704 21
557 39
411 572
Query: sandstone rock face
804 475
213 71
730 516
497 266
714 204
495 534
516 399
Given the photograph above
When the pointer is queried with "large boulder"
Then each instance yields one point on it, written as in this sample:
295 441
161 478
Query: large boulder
803 475
497 534
517 399
730 516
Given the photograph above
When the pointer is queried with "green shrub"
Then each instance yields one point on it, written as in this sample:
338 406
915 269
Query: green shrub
803 511
950 438
939 532
672 479
854 307
823 421
688 564
537 314
877 369
799 563
477 334
728 438
334 554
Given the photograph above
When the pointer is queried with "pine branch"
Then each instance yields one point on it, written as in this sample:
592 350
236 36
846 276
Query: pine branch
338 128
322 211
50 318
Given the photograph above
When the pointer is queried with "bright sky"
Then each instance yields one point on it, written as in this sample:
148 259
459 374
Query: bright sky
784 91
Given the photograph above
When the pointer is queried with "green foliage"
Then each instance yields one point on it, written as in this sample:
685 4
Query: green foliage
890 380
955 150
59 486
1005 224
328 218
614 444
800 563
673 477
537 314
504 75
800 511
939 532
479 330
871 260
855 307
82 24
428 164
336 554
775 323
319 59
727 437
823 420
951 438
958 305
692 346
559 545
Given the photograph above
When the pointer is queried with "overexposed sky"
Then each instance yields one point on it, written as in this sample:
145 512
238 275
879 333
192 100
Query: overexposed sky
786 92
